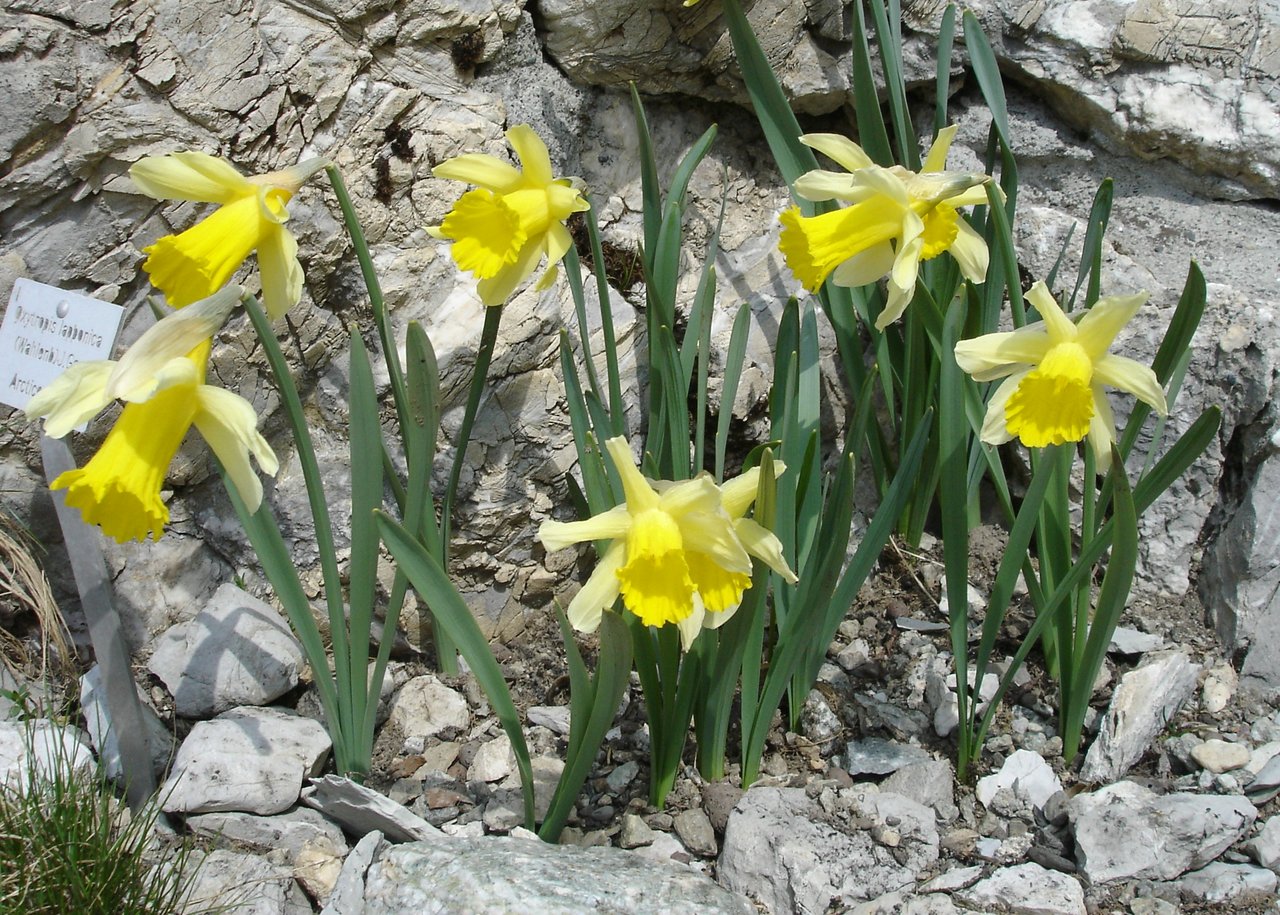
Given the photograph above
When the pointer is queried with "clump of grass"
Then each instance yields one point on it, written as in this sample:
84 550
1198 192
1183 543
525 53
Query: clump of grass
68 845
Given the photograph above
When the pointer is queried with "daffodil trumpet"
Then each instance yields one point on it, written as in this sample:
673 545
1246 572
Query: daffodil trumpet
251 216
502 229
161 379
896 218
1055 373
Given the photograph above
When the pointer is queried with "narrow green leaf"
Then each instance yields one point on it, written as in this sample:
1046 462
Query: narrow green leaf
946 42
733 364
987 72
452 615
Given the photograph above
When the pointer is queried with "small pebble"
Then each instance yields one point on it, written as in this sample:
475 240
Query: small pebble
1219 756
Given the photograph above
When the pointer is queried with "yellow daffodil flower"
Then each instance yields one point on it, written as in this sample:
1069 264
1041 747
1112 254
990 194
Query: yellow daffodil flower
678 550
1054 373
161 380
501 229
250 217
897 219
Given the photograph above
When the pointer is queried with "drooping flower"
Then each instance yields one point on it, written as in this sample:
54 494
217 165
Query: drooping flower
161 379
897 218
677 552
501 229
251 216
1055 372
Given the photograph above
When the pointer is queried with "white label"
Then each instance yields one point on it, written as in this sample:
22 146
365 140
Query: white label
46 330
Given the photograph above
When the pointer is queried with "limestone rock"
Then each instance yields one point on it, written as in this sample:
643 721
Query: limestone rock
97 719
1265 846
288 831
1228 884
1027 888
1025 773
1148 696
504 874
252 760
43 748
494 761
363 811
237 651
1220 756
425 707
249 883
1125 831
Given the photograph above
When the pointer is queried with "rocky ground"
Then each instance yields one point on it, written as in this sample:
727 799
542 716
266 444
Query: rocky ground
1170 809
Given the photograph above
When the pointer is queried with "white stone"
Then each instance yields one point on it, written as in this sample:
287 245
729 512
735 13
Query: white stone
1025 773
1265 846
363 811
245 883
251 759
1219 686
287 832
43 748
1223 883
554 718
1147 698
1132 641
237 651
493 761
1125 831
425 707
1027 888
1220 755
347 895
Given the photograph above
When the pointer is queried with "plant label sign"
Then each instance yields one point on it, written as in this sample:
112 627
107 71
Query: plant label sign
45 331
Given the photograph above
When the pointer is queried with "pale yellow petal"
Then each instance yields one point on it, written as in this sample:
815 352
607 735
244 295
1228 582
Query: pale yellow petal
292 178
936 159
994 429
993 356
716 536
1108 316
1125 374
74 397
737 495
839 149
636 489
189 176
822 185
497 289
229 424
691 626
902 283
970 252
280 271
1059 327
1102 430
610 525
599 592
170 338
763 544
866 266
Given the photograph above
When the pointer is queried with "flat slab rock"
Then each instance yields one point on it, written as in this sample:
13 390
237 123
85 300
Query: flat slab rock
505 875
1125 831
1028 889
236 651
251 759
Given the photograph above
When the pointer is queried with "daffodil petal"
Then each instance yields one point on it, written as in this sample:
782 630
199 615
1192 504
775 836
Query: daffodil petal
489 172
1103 322
902 283
737 495
172 337
599 592
559 241
535 162
74 397
970 251
610 525
763 544
993 356
866 266
188 176
497 289
819 185
994 429
280 272
636 489
841 150
1125 374
936 159
1102 430
691 626
229 424
1056 323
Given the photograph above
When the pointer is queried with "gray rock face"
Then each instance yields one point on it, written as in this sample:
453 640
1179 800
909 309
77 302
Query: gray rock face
1146 699
97 721
425 707
252 760
1124 831
289 832
782 849
41 748
237 651
1225 884
248 883
449 876
362 810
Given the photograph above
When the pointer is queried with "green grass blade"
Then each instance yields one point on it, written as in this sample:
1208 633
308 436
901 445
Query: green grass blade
888 19
1091 255
946 44
733 364
872 135
987 72
650 190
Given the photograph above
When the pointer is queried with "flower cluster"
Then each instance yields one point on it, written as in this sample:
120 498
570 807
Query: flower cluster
681 552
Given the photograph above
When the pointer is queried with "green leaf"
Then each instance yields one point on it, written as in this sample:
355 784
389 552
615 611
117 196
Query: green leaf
734 360
987 72
452 615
